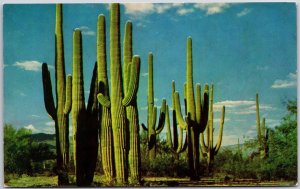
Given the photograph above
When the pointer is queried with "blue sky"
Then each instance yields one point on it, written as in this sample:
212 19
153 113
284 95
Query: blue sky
241 48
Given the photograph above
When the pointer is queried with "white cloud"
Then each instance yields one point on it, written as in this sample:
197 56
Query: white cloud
50 123
184 11
31 65
244 12
37 116
232 103
229 140
86 31
289 82
32 128
138 8
212 8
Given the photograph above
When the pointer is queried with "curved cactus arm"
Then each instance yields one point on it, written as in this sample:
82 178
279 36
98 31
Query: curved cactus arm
205 108
162 116
144 127
168 127
179 117
203 146
152 119
134 81
218 145
68 103
48 95
103 100
198 103
181 146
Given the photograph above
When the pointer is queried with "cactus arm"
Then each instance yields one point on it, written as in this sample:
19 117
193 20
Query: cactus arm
144 127
134 81
204 108
263 129
198 103
179 117
185 144
48 95
162 116
68 104
218 145
203 146
169 134
127 58
104 100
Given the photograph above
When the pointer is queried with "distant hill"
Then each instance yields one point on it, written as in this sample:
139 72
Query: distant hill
42 137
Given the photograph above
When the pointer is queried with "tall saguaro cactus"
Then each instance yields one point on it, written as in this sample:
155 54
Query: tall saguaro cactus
60 113
118 101
209 149
197 114
262 133
105 115
151 128
84 120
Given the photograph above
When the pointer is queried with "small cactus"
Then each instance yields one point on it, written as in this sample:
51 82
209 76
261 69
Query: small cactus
262 133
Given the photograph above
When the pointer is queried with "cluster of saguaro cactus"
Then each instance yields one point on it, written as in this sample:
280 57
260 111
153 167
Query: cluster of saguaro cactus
196 114
262 133
60 113
84 119
177 145
208 149
122 101
151 128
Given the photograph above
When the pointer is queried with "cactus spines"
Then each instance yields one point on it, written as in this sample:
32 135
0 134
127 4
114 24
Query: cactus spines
195 124
103 98
84 120
60 113
262 133
209 149
152 111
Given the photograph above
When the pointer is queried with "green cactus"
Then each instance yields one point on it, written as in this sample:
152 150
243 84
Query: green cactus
118 101
84 120
196 114
132 110
151 128
208 149
60 113
177 145
105 116
262 133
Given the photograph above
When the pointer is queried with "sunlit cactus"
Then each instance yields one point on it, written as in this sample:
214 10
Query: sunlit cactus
196 114
120 98
60 113
151 128
208 149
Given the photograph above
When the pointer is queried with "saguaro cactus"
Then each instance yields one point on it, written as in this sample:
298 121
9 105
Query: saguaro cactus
208 149
131 109
84 120
262 133
197 114
151 128
105 116
60 113
118 102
